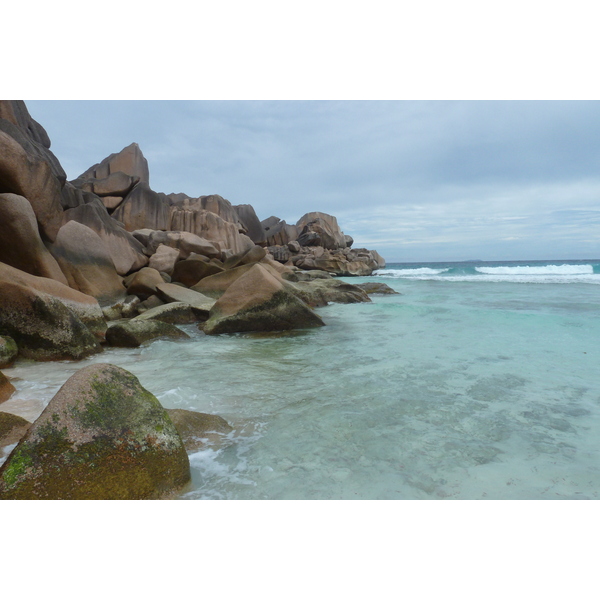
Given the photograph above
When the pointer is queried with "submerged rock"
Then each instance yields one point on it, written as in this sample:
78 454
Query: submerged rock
102 437
376 287
131 334
196 429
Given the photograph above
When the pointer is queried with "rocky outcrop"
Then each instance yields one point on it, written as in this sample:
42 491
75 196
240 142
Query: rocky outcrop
249 220
7 389
102 437
8 351
376 287
198 429
143 283
278 232
185 242
192 270
85 259
129 161
258 301
321 292
134 333
164 259
20 243
125 251
320 229
176 313
170 292
28 168
143 208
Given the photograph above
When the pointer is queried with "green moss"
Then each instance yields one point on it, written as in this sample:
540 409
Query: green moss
20 461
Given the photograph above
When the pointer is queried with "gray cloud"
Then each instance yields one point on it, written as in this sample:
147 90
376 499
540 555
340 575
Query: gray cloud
420 180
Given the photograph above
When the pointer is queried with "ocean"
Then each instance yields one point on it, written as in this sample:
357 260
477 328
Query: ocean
478 381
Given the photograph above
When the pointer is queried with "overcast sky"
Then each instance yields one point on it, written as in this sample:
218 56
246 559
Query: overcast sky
415 180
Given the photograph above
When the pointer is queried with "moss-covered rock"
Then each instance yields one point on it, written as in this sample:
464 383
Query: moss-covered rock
177 313
8 351
197 429
131 334
7 389
104 437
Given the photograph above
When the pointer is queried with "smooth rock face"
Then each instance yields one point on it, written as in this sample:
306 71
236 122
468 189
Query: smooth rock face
258 301
126 252
144 282
247 217
191 271
12 429
132 334
164 259
8 351
143 208
184 241
197 429
20 243
102 437
320 229
7 389
84 257
177 313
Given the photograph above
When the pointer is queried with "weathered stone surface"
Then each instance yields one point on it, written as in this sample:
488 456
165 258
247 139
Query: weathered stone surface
20 243
258 301
279 233
320 229
252 225
125 251
8 351
116 184
216 285
143 235
191 271
143 283
111 202
294 246
12 429
28 168
298 275
177 313
198 429
7 389
131 334
376 287
184 241
164 259
129 161
102 437
143 208
124 309
84 258
250 256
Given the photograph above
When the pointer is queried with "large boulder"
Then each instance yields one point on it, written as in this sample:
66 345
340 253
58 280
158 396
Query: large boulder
143 208
278 232
125 251
7 389
193 269
28 168
258 301
198 429
129 161
320 292
177 313
170 292
102 437
320 229
84 307
85 259
20 243
8 351
164 259
143 283
248 218
134 333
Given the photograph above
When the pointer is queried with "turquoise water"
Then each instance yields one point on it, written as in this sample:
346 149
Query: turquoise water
478 381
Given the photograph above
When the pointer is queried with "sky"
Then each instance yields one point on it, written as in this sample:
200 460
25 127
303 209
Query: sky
414 180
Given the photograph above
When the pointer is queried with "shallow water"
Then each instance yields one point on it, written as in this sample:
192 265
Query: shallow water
454 389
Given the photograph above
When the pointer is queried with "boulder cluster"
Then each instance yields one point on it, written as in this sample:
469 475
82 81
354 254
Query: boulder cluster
105 260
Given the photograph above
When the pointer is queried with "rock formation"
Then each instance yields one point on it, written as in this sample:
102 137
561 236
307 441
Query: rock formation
102 437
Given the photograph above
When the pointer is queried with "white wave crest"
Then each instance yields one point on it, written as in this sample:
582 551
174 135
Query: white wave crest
546 270
408 272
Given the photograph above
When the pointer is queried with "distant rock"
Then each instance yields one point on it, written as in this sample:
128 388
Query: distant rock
320 229
143 208
129 161
102 437
247 217
376 287
183 241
